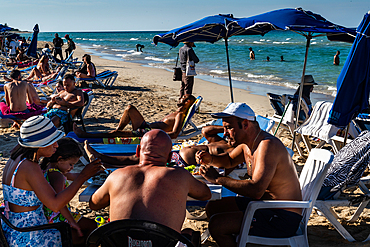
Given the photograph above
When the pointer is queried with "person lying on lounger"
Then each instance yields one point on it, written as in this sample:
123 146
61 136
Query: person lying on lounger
42 71
171 123
70 97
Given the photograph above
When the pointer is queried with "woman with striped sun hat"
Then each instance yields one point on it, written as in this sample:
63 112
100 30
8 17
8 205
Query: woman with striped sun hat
25 188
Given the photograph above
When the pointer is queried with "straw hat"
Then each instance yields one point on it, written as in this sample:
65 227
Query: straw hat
187 42
309 81
38 132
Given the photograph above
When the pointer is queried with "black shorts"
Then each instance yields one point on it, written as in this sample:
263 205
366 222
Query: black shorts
275 223
143 128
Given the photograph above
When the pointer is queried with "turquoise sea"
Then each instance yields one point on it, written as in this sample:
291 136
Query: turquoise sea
257 76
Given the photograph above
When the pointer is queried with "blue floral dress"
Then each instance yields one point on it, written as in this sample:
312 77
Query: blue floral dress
36 217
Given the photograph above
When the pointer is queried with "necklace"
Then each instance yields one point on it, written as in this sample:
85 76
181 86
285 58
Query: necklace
249 163
255 139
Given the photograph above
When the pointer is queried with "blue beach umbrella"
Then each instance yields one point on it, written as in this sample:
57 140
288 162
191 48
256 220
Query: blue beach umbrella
353 84
32 48
213 28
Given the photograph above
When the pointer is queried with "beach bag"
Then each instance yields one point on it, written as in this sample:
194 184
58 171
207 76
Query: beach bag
177 73
190 68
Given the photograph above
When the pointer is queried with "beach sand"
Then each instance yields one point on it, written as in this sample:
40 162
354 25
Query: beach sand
154 93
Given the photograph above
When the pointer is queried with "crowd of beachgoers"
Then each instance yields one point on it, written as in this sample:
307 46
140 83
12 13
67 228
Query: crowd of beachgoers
155 95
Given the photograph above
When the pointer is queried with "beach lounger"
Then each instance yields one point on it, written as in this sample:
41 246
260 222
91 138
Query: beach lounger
362 121
104 79
51 83
317 126
311 179
184 134
346 172
286 120
80 113
194 130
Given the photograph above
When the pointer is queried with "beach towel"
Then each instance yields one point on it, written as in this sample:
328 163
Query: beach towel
32 110
317 124
349 164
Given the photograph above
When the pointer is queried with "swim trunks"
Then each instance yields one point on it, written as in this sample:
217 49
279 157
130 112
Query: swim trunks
143 128
63 115
275 223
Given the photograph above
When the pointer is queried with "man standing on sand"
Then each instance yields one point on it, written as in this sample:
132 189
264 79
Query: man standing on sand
58 43
150 190
336 58
273 177
70 45
187 53
70 97
251 54
171 123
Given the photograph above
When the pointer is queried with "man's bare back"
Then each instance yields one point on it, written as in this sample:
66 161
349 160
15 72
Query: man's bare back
152 193
150 190
16 95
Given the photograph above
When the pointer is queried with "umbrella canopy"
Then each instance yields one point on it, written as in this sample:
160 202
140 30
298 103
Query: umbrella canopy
353 84
213 28
32 48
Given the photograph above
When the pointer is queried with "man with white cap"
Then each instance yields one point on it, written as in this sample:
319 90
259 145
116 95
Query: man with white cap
273 177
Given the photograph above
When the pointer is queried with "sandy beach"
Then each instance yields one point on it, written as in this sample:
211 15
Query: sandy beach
154 93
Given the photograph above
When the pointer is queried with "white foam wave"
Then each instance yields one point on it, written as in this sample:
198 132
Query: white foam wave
118 50
266 77
262 39
313 43
96 45
288 38
122 55
78 38
218 71
257 42
93 39
134 39
158 59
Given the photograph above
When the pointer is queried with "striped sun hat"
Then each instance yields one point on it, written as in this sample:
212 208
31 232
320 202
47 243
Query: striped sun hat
38 132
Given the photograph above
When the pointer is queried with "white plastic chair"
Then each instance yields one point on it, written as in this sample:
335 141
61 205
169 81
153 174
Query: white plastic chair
311 180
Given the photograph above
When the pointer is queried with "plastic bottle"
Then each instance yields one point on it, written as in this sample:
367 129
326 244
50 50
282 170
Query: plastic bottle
100 220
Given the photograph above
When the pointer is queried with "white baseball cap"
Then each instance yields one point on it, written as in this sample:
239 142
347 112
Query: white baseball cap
240 110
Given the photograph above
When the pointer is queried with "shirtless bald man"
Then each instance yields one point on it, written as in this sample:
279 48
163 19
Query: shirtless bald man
273 177
70 97
171 123
150 190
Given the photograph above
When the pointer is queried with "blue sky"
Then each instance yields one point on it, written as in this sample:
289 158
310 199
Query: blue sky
158 15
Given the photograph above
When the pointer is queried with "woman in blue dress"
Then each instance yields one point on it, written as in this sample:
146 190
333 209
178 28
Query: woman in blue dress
26 189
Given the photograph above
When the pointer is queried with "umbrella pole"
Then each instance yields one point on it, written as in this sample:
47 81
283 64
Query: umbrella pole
228 69
308 37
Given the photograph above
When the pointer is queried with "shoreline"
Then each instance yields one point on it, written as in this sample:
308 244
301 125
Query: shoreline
213 93
254 88
154 93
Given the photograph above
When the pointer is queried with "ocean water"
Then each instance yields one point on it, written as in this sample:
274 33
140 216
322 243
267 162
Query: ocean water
257 76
